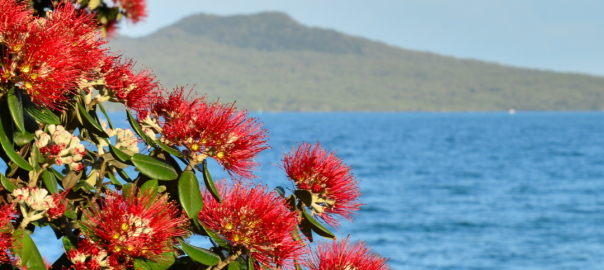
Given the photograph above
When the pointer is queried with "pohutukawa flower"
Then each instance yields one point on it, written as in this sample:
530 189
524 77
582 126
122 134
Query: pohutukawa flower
133 89
209 130
133 225
90 257
13 14
256 219
35 203
7 215
335 190
49 57
61 147
135 9
346 256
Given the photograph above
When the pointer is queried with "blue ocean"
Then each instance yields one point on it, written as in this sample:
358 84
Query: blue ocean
456 190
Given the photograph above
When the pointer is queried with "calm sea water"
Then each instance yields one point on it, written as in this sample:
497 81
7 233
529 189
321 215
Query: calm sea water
458 190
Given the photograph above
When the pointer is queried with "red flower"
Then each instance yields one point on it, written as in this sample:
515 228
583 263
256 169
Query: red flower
335 190
135 90
135 9
7 215
134 225
50 57
13 14
343 255
210 130
89 257
256 219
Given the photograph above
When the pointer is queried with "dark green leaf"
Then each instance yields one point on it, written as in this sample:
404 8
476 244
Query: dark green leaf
305 196
234 266
50 182
137 128
106 116
207 179
118 154
170 150
6 122
36 268
15 106
200 255
305 228
84 185
41 114
12 154
153 168
91 125
189 194
69 244
291 201
7 184
61 263
317 227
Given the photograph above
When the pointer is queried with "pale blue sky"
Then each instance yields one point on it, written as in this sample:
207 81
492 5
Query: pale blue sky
560 35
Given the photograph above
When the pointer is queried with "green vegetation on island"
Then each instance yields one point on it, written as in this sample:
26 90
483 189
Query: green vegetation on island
270 62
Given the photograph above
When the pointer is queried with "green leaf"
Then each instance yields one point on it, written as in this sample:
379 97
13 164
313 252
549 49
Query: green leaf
92 4
68 244
6 122
106 116
29 254
169 149
280 190
57 174
36 268
50 182
234 266
305 228
137 128
162 262
250 263
207 179
141 264
118 154
297 264
7 184
200 255
41 114
61 263
150 186
123 175
15 106
305 196
189 194
221 242
83 185
113 179
10 151
23 138
317 227
153 168
89 123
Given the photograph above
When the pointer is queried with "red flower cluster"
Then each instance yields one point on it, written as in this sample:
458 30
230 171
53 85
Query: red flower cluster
135 90
135 9
256 219
210 130
131 225
334 188
48 57
343 255
7 215
89 257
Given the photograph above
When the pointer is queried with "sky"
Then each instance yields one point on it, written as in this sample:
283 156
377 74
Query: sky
558 35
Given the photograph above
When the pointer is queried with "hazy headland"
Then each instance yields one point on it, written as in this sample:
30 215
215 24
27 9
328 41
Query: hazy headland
270 62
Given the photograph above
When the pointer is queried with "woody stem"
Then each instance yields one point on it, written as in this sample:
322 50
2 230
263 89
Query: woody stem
228 260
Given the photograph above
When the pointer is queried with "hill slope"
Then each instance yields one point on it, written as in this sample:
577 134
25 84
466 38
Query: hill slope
268 61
